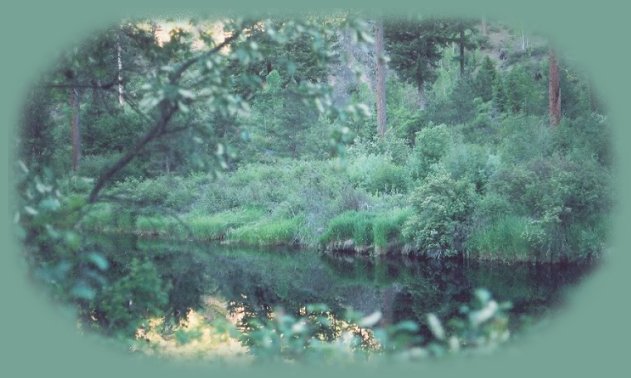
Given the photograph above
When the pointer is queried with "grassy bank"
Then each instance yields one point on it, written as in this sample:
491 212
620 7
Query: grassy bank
248 226
507 188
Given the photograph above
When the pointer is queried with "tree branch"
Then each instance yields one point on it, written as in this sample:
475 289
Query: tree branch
76 86
175 76
167 112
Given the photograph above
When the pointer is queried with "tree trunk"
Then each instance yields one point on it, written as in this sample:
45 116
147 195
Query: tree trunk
381 80
554 91
75 135
119 60
461 43
422 100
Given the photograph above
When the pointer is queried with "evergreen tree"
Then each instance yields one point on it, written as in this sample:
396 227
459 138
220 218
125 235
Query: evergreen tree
485 80
499 94
281 119
463 33
414 47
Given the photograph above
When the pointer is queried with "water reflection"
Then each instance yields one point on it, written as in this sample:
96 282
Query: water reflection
252 283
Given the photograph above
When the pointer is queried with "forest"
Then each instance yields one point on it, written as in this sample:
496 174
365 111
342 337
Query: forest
304 188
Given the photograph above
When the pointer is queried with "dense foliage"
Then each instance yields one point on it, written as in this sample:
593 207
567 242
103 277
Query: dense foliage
248 131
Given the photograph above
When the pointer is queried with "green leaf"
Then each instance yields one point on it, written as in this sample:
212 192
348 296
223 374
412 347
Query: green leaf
52 232
99 260
245 135
435 326
405 326
482 295
83 291
42 188
183 107
62 269
186 93
23 166
370 320
29 210
318 307
73 240
50 204
220 149
365 37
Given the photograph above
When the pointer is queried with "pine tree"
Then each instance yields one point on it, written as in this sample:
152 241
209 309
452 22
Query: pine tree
485 80
500 99
414 47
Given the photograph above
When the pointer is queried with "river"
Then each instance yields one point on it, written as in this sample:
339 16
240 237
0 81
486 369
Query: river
258 281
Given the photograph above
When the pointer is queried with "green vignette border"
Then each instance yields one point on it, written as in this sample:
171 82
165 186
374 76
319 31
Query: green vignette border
586 339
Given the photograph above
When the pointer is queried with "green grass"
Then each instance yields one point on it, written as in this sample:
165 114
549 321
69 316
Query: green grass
505 239
267 232
216 226
387 226
340 227
160 225
98 217
105 217
367 228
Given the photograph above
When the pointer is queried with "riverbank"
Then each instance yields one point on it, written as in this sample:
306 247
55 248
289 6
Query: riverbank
352 232
439 194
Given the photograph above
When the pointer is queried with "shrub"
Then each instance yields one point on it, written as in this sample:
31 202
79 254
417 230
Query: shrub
442 208
430 146
137 295
387 178
587 135
524 138
92 165
490 208
376 173
470 162
523 93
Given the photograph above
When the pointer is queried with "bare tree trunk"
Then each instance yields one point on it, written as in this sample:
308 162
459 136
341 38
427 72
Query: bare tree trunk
554 91
381 79
75 135
461 45
422 100
484 27
119 60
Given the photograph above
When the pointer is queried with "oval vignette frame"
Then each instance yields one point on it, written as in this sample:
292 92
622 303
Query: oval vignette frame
46 336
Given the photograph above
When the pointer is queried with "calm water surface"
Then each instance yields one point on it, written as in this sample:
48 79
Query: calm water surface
256 281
